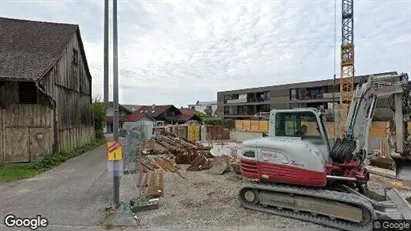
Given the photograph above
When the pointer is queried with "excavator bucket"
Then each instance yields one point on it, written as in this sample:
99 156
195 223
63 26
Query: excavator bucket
402 169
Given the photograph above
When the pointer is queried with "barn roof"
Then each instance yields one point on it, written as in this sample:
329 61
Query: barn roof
29 49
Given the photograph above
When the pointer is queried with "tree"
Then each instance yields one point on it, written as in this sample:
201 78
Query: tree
99 112
208 111
201 115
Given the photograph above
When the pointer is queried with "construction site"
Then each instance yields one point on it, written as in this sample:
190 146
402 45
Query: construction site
196 185
296 173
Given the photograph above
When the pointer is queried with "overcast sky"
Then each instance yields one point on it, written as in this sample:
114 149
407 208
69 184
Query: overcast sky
178 52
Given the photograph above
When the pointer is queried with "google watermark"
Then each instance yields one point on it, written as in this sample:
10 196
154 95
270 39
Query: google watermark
392 225
33 223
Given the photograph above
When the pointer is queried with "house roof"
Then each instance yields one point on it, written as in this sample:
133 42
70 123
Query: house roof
153 112
29 49
135 117
186 117
188 111
110 119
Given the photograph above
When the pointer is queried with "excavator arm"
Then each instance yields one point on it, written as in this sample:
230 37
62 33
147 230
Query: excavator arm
361 113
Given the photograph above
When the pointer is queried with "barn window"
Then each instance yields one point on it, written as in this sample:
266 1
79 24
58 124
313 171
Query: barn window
27 93
2 94
75 57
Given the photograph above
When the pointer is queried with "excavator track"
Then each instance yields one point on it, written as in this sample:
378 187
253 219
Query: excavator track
270 196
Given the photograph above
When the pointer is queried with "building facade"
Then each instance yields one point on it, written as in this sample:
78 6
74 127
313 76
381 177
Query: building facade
252 102
206 107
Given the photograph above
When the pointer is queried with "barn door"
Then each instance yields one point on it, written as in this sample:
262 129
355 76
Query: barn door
17 145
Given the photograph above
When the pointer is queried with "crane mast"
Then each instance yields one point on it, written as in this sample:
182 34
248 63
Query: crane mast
347 62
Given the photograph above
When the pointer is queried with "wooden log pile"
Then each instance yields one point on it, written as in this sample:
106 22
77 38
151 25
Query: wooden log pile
200 163
184 151
151 147
152 183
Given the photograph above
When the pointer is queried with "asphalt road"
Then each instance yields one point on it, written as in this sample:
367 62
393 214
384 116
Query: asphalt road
73 194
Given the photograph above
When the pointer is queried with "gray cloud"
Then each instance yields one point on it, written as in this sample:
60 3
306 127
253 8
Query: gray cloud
179 52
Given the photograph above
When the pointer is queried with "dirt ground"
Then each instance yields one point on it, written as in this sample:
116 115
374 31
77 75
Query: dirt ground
204 200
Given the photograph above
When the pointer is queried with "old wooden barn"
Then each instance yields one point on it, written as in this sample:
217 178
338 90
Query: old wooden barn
45 90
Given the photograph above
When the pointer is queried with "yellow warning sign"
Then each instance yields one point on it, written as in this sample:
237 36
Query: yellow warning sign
115 151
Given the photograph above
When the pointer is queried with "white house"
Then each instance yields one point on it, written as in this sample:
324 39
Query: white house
108 120
204 106
139 122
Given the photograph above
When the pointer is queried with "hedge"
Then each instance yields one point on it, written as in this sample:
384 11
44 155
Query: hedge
226 123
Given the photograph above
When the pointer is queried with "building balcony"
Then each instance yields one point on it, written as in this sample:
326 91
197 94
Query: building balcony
257 100
330 95
243 100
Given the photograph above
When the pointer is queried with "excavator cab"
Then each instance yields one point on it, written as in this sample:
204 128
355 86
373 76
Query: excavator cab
301 123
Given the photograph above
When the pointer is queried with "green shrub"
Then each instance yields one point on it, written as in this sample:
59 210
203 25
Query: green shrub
226 123
99 112
99 134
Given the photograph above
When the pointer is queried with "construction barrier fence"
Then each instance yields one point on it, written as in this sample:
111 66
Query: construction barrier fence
378 128
378 140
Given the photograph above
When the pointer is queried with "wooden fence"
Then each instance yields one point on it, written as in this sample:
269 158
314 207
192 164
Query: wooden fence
194 132
378 132
378 129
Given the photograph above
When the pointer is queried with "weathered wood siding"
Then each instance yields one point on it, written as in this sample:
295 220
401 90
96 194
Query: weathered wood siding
70 86
26 130
2 155
71 138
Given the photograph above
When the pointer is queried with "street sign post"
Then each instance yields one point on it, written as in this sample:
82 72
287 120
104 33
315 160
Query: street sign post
116 121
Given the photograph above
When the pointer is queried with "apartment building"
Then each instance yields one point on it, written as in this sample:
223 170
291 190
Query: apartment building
247 103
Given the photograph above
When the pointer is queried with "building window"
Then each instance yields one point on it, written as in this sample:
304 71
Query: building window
75 57
294 94
226 97
2 94
27 93
226 110
265 108
316 93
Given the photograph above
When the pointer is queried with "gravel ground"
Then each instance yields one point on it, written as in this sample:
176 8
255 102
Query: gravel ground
207 200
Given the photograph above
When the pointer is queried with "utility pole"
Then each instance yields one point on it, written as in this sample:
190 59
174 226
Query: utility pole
116 177
106 26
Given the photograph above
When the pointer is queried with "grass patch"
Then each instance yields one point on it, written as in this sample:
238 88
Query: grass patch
23 171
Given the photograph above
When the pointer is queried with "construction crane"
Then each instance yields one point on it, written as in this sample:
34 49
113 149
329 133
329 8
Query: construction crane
347 62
